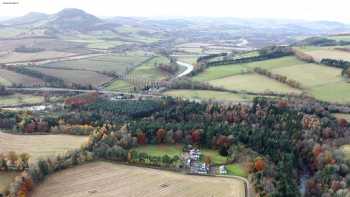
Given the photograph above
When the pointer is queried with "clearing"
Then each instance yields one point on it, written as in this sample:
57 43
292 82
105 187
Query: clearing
39 145
253 83
102 179
209 95
77 76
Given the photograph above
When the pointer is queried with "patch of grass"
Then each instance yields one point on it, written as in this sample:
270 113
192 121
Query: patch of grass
149 71
6 179
310 74
20 99
218 72
322 53
160 150
208 95
338 92
252 83
343 116
214 155
237 170
346 149
120 85
5 82
15 78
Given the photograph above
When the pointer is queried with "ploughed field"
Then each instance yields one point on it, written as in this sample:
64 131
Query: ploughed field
38 146
103 179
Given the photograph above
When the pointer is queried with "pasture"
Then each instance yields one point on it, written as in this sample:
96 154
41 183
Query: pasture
320 54
117 63
102 179
310 74
13 57
76 76
338 92
346 150
217 72
252 83
160 150
120 85
6 179
16 99
38 146
209 95
148 70
8 78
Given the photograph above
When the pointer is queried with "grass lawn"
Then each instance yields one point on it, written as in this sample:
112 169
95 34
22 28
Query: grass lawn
344 38
346 150
208 95
120 85
20 99
344 116
6 179
160 150
252 83
329 53
217 72
5 82
111 63
237 170
216 158
310 74
338 92
149 71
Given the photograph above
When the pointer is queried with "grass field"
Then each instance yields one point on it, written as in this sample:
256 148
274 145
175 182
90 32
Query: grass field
39 145
338 92
9 78
329 53
218 72
6 179
101 179
160 150
110 63
148 70
252 83
237 170
310 74
343 37
208 95
20 99
76 76
24 57
344 116
120 85
346 150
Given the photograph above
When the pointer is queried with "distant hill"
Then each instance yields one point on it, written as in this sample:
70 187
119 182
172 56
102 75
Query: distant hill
27 19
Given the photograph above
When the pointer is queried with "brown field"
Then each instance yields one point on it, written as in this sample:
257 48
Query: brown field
12 77
13 57
329 53
39 145
76 76
102 179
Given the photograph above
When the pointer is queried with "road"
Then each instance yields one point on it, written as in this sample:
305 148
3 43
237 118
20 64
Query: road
46 89
189 69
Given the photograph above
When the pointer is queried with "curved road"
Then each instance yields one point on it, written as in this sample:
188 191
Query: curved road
189 69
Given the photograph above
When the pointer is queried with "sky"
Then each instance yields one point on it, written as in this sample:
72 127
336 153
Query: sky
331 10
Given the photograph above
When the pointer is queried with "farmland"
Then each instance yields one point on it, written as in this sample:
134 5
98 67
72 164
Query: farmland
9 78
252 83
24 57
39 145
20 99
208 95
160 150
5 179
119 85
346 150
149 71
107 179
76 76
329 53
117 63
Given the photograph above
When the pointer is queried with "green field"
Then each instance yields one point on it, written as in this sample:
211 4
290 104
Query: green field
310 74
252 83
338 92
339 38
322 53
209 95
160 150
120 85
237 170
214 155
346 150
6 179
5 82
149 71
8 78
110 63
218 72
20 99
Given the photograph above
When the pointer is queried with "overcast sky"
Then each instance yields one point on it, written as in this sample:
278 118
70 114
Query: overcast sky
336 10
